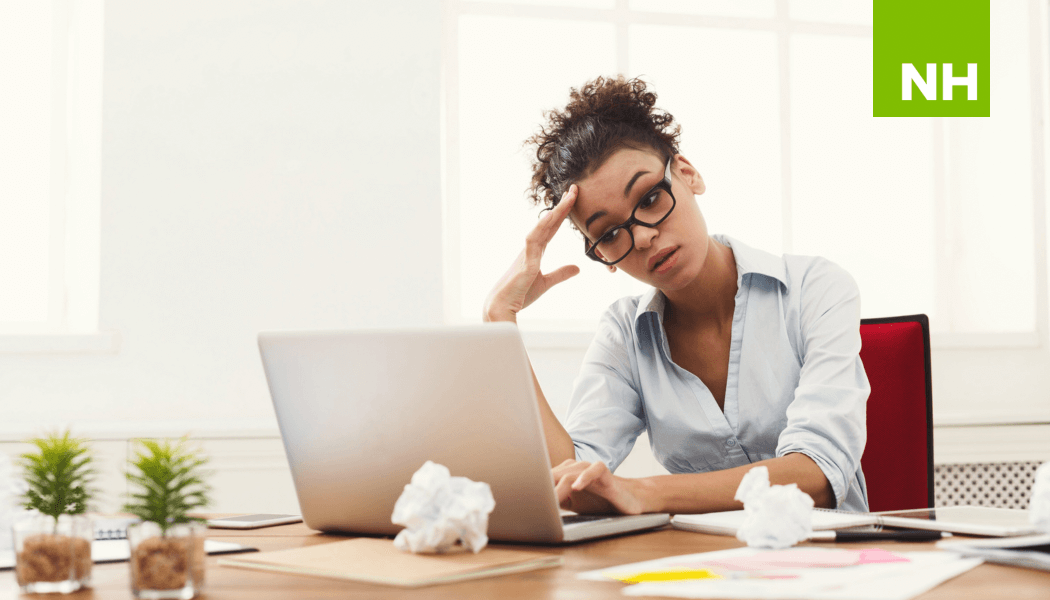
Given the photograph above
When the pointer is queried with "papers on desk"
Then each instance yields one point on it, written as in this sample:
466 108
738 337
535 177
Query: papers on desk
795 573
1032 552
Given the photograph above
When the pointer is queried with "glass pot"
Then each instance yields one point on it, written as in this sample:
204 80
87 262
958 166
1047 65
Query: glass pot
53 555
166 564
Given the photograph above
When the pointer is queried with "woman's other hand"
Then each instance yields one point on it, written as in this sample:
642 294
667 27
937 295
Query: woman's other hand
523 282
590 488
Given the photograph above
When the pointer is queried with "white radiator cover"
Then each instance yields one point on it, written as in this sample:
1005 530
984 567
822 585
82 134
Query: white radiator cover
1001 484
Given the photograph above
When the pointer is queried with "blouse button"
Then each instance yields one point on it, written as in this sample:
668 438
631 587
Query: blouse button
730 442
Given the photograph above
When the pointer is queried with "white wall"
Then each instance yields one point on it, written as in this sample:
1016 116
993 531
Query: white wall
266 164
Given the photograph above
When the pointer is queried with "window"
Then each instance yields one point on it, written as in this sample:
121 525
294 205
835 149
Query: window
940 216
50 149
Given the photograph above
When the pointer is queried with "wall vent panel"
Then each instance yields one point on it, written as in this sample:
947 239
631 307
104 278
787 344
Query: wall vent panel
1001 485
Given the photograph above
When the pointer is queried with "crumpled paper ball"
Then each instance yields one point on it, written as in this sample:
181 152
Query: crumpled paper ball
1039 505
12 486
776 516
439 511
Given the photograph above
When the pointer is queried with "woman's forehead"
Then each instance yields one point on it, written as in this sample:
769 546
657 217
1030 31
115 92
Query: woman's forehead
621 166
615 181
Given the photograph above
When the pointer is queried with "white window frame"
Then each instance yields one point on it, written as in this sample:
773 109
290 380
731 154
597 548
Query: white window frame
75 191
573 336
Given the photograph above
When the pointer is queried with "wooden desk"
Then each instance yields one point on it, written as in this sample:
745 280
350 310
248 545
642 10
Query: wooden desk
111 580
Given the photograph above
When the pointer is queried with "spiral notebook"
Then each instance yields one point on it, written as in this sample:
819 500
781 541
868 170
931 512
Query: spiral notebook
111 544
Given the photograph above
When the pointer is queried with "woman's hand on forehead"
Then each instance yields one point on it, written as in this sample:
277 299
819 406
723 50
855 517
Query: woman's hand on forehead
551 221
523 282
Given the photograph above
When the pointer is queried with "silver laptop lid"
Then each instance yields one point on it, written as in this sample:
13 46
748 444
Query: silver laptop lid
361 411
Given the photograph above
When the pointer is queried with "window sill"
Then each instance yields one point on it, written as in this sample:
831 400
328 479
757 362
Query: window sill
991 443
967 341
101 342
960 419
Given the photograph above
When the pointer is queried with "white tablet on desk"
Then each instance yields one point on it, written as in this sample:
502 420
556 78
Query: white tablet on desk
971 520
727 523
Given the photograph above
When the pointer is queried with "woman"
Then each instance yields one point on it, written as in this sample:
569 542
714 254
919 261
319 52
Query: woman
735 358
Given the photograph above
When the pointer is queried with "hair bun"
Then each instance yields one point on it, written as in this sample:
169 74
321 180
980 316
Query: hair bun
601 117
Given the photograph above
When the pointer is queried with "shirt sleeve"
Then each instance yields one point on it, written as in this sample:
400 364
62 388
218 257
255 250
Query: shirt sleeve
826 420
605 413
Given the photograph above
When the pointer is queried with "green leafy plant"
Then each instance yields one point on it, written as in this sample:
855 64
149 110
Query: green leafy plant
170 481
58 475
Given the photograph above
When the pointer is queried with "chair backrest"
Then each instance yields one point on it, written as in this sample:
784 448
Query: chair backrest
898 458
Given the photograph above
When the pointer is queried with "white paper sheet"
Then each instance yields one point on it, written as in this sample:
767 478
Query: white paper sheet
884 581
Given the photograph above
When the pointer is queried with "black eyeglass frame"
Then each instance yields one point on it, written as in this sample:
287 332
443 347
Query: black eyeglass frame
664 184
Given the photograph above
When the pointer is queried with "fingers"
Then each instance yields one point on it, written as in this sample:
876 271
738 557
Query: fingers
544 231
566 202
585 489
523 282
569 466
558 214
591 474
561 274
561 210
563 490
566 466
542 283
573 476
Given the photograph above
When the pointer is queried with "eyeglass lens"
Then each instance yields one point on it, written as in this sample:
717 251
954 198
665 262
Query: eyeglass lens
617 244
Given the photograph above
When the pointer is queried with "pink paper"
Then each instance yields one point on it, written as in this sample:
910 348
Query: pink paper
800 558
877 555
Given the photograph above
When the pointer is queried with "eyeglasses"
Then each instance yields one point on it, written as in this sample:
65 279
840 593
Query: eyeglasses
655 206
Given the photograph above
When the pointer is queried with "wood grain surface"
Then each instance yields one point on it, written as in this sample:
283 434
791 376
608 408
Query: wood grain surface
110 581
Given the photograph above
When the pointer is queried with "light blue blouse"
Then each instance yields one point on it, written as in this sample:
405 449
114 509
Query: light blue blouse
796 382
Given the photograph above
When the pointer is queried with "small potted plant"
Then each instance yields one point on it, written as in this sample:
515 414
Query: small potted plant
167 547
53 547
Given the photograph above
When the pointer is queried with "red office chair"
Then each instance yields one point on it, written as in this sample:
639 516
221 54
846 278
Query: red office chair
898 459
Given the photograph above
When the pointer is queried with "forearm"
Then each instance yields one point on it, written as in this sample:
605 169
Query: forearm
714 491
559 444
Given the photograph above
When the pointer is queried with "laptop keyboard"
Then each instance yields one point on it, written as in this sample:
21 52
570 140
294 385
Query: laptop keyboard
573 519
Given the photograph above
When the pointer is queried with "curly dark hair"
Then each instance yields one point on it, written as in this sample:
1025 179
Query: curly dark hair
603 116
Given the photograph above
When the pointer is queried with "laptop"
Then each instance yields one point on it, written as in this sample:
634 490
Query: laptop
361 411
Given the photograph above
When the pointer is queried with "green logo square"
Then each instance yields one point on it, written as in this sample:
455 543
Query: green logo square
920 46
